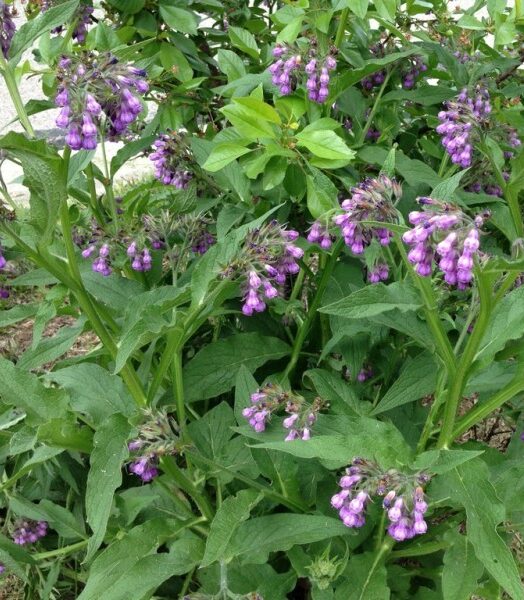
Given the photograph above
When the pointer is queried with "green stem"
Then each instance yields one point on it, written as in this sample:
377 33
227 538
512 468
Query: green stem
178 390
341 27
108 185
304 328
61 551
443 345
269 493
443 164
18 103
374 108
433 412
481 411
458 382
93 195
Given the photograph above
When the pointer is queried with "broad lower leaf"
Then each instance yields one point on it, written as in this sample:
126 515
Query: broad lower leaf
223 154
365 579
321 194
213 370
243 40
442 461
460 583
105 476
325 144
179 19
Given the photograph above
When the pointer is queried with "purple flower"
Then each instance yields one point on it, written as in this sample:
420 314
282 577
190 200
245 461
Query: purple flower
416 67
319 234
28 531
380 272
82 17
7 28
90 86
171 158
145 467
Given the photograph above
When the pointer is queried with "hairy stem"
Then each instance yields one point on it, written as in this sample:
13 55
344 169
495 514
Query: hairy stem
12 88
341 27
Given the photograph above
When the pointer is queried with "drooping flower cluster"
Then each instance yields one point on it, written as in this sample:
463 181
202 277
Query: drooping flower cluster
319 234
445 232
403 498
102 263
374 80
379 272
7 27
287 70
82 17
371 200
171 159
270 399
416 67
268 256
157 437
97 93
140 258
28 531
461 122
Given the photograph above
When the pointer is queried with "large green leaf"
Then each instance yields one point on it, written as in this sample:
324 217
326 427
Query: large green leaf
105 475
359 7
365 579
223 154
243 40
233 511
375 299
179 19
324 144
321 193
43 176
471 487
230 64
213 370
248 122
460 583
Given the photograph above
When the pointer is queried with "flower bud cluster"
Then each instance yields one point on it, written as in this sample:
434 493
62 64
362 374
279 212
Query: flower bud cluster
140 258
379 272
416 67
289 64
7 28
371 200
319 234
403 495
157 437
28 532
171 159
447 233
269 256
270 399
82 17
461 121
97 93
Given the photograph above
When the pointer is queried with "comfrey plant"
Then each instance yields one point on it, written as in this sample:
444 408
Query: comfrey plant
347 227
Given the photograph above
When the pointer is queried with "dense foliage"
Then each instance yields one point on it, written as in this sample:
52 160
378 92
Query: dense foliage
299 321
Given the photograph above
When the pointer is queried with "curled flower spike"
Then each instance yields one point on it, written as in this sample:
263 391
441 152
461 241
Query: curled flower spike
7 28
157 437
319 234
141 260
82 17
28 531
404 500
380 272
371 200
268 257
416 67
461 122
97 93
270 399
447 235
172 158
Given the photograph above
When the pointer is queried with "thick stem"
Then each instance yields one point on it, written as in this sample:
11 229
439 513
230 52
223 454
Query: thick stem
458 382
178 390
93 195
61 551
433 412
308 321
374 109
341 27
18 103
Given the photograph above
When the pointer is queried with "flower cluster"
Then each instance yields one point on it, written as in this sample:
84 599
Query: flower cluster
157 436
460 123
140 258
403 498
95 92
447 232
374 80
7 27
29 532
202 241
82 17
269 256
319 234
416 67
271 398
171 159
371 200
102 263
287 69
379 272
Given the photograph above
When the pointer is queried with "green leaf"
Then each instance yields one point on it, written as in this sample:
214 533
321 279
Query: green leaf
129 150
30 31
358 7
67 435
339 393
213 370
233 511
388 168
445 190
42 168
130 7
460 583
24 390
248 122
386 9
256 538
442 461
223 154
230 64
470 22
179 19
375 299
506 323
94 391
321 194
14 556
20 312
325 144
291 31
175 61
212 432
105 476
426 95
365 579
471 487
243 40
264 111
416 380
